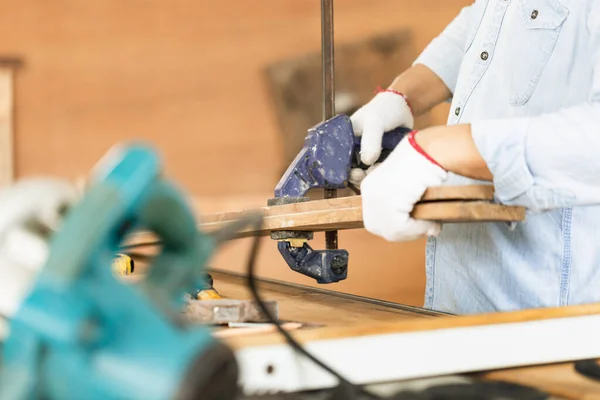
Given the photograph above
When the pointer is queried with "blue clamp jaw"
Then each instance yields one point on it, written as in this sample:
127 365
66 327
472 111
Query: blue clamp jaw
330 150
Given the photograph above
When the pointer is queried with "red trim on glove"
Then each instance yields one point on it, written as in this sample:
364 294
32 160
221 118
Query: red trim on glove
381 90
415 145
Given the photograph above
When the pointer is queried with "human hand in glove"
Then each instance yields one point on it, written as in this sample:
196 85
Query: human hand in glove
420 161
390 192
389 109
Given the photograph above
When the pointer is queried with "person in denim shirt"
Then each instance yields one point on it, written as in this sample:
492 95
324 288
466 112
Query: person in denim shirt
523 78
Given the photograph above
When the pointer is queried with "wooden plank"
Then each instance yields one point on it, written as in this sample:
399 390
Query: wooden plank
466 192
341 217
433 194
313 307
318 307
467 211
439 204
447 204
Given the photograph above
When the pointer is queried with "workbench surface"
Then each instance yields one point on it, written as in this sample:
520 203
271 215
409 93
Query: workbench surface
321 309
318 307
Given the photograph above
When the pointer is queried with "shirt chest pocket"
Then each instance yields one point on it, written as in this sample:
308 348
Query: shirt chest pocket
532 38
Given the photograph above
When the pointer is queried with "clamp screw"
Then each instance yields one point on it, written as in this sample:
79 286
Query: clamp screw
338 264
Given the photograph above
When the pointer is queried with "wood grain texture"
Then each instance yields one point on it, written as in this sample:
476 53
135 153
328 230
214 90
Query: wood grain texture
343 217
465 192
447 204
315 307
467 211
440 204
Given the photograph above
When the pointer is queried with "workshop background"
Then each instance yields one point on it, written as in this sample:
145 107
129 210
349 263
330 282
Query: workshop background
223 89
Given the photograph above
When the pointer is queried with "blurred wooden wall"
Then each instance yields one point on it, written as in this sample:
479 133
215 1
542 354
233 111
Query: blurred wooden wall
187 76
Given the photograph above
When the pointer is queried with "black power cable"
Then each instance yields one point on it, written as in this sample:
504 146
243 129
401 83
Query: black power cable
346 389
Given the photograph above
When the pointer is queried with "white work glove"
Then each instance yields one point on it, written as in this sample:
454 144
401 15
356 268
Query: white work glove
386 111
390 192
23 252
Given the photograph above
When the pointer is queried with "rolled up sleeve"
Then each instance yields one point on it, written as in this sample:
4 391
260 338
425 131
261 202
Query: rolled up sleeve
545 162
525 172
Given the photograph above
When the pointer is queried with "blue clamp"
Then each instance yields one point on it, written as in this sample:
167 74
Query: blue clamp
330 151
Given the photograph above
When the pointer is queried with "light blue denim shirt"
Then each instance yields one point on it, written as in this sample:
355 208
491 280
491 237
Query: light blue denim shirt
526 75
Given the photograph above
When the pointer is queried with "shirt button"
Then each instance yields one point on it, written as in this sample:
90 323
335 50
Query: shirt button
484 55
457 111
534 14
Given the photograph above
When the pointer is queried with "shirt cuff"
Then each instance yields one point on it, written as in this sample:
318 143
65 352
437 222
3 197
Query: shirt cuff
502 144
444 59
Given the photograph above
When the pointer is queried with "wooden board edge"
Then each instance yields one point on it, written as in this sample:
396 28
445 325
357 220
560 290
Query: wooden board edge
464 192
426 324
351 218
468 211
396 356
433 194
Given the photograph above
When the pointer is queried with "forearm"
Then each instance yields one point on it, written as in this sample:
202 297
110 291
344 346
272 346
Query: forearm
544 162
422 87
454 149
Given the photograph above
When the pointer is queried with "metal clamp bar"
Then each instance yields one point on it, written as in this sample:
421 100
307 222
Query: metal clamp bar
327 52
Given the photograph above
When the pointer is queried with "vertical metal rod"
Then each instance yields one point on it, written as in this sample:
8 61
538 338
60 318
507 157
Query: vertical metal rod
327 52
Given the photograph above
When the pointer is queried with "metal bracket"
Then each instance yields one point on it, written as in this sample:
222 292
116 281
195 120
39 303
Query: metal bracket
326 266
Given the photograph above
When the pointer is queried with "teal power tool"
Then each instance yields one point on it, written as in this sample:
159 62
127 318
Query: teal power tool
82 334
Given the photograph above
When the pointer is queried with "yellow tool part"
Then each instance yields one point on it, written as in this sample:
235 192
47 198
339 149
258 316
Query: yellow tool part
122 265
208 294
295 242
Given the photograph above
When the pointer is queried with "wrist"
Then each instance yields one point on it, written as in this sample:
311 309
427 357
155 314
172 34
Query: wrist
399 93
416 144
